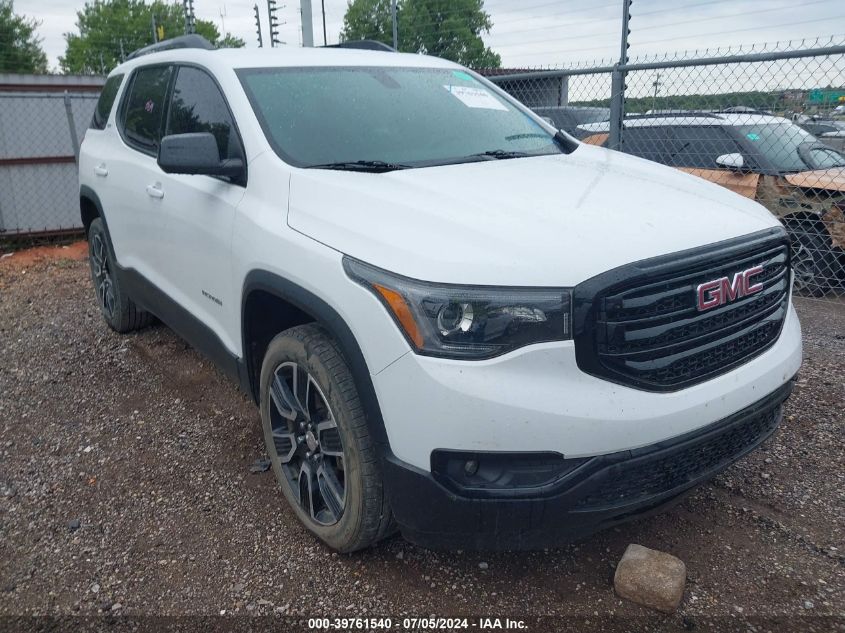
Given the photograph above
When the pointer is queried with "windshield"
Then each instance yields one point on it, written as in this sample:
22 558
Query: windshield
776 144
409 117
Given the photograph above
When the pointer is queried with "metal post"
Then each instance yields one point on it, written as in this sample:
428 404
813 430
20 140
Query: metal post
656 90
258 26
155 30
74 141
395 21
617 83
325 39
307 24
563 95
190 17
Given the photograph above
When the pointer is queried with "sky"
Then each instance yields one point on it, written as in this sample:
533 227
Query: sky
533 33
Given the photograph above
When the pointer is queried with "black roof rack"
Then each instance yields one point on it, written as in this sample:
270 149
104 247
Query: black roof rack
183 41
367 45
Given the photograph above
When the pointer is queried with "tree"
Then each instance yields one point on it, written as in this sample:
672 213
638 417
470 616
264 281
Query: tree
111 29
368 20
445 28
20 46
231 41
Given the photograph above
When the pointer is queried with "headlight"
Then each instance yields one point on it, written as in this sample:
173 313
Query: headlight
470 322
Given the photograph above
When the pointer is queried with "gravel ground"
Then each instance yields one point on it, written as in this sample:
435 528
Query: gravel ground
125 489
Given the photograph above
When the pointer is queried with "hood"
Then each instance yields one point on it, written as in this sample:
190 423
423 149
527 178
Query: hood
540 221
829 179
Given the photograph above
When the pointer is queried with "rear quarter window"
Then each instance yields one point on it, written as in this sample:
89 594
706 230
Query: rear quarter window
105 102
144 107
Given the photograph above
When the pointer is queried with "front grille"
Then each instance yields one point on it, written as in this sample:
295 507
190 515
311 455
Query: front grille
639 325
669 469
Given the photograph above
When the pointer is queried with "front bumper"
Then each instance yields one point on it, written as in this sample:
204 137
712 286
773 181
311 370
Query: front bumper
601 492
538 399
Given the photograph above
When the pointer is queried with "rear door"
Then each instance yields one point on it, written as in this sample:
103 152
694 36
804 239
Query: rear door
100 145
200 210
133 171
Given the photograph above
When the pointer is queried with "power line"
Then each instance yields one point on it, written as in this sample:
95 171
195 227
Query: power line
609 46
438 23
753 28
647 28
735 15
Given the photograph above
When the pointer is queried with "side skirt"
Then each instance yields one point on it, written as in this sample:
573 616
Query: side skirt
185 324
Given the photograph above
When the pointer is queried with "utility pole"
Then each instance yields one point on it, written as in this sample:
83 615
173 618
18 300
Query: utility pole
617 82
273 20
155 30
325 39
393 18
190 18
307 24
258 26
656 85
223 20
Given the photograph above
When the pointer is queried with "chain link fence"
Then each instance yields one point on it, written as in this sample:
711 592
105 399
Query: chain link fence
767 123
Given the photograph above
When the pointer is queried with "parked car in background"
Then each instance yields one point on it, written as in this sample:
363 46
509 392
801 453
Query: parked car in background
568 118
766 158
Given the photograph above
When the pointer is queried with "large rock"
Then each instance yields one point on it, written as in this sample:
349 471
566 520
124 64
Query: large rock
651 578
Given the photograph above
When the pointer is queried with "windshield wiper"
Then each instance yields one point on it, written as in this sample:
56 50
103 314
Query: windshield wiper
373 166
500 154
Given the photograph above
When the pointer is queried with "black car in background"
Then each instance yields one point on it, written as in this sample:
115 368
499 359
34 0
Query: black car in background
568 118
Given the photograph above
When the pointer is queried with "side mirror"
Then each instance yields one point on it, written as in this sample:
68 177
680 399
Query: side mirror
732 161
196 154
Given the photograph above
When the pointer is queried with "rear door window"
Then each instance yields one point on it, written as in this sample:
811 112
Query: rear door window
105 102
144 108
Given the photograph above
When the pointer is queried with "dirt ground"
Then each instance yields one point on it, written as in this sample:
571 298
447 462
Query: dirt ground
126 494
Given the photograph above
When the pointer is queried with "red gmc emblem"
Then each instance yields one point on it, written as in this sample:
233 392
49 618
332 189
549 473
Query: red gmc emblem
718 292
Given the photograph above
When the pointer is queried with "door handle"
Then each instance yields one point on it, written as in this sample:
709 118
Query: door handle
154 191
100 170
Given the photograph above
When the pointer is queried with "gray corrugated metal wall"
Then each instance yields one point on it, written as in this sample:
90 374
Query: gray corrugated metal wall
38 180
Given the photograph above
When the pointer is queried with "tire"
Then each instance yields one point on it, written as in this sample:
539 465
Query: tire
117 308
310 457
813 262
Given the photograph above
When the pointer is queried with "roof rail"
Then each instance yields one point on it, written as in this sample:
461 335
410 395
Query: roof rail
368 45
698 114
183 41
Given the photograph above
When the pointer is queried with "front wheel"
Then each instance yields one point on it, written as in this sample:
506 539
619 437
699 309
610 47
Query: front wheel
812 263
318 441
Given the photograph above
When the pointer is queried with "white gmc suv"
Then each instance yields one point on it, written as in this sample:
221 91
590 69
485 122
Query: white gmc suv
455 320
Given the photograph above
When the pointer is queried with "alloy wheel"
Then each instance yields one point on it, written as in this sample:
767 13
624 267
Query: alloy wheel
104 285
804 268
307 443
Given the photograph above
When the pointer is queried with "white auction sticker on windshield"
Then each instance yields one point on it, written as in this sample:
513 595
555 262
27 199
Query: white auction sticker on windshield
473 97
